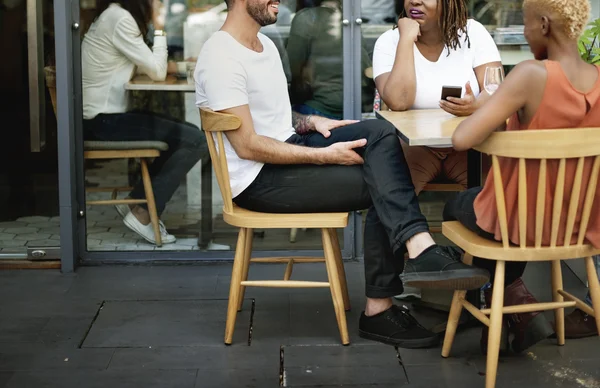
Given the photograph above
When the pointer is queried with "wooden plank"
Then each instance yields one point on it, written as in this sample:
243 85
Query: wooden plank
170 84
29 264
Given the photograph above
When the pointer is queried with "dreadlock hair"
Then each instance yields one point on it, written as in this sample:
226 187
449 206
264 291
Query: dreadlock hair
453 23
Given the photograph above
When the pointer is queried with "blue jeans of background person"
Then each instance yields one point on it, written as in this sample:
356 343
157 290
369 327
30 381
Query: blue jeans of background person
187 145
588 298
308 110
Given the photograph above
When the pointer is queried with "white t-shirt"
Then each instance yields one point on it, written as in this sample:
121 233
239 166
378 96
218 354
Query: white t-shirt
449 70
227 75
110 51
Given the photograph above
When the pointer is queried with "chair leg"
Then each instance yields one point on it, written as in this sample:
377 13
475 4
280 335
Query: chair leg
594 285
339 261
293 234
454 316
335 286
150 201
247 256
559 314
234 287
495 332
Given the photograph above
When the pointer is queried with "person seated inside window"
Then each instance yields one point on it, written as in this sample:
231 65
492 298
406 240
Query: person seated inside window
111 50
434 45
556 90
315 54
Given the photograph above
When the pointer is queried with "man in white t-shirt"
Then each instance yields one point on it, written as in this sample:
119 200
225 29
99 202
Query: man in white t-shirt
287 163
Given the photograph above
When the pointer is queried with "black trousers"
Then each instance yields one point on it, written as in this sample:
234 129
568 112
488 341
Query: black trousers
382 184
461 209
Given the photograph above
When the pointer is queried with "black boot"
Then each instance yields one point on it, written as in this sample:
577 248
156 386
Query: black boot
527 328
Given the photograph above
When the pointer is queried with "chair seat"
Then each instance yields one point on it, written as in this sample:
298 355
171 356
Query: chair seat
243 218
481 247
94 145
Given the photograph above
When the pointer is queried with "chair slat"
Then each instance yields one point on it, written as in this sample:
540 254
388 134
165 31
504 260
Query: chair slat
220 122
522 203
540 208
589 200
500 201
574 202
227 198
543 143
558 199
215 162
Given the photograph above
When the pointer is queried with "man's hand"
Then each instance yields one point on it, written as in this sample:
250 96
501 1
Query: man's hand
343 153
461 106
324 125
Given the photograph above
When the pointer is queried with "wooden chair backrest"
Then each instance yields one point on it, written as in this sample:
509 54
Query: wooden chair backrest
50 72
216 123
544 145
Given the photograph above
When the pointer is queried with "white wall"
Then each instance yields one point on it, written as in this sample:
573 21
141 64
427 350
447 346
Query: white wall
595 9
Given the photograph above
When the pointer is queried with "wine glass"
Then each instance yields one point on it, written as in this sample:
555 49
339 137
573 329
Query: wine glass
493 78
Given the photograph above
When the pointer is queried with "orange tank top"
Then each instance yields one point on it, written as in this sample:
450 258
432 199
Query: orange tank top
562 106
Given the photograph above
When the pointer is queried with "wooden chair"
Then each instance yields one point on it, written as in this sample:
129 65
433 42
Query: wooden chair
540 145
145 151
216 123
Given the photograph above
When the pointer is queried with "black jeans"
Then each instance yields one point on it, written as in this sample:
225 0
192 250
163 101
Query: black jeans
461 209
382 184
187 145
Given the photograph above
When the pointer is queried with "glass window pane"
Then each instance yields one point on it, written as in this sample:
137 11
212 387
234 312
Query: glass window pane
190 197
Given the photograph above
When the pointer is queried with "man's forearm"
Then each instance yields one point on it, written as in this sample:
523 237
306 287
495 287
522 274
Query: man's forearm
268 150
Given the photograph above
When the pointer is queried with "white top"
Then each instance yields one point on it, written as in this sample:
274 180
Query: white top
449 70
227 75
110 51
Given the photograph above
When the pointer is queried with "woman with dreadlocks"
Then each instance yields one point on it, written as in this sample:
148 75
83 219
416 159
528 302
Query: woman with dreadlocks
434 45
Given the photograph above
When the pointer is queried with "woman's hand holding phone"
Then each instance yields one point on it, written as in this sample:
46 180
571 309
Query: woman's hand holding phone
464 106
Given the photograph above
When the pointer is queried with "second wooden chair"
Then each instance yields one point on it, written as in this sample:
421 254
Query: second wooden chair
544 147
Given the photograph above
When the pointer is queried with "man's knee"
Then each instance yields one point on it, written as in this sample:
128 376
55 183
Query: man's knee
380 128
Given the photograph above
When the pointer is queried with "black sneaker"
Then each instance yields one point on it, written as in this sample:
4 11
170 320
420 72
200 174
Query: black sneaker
441 267
395 326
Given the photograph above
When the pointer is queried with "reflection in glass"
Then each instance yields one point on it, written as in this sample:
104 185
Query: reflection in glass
315 52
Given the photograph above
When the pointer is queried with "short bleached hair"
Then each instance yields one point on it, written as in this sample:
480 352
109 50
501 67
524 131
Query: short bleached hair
573 14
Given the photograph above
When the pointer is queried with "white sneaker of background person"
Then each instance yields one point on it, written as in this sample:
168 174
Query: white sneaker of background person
144 231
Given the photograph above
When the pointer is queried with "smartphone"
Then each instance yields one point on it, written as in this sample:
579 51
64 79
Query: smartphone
451 91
